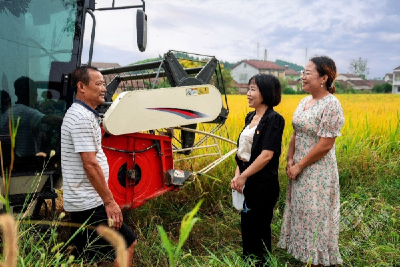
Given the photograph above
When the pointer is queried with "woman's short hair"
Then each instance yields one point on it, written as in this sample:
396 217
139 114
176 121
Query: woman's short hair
270 88
326 66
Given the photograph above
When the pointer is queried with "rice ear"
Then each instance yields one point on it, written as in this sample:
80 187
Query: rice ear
117 241
7 221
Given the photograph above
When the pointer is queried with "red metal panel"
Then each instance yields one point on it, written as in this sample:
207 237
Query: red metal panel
151 164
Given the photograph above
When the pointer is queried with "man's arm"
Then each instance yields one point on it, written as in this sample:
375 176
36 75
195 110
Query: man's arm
96 177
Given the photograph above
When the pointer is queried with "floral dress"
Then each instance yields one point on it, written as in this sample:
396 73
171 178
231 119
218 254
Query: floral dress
312 200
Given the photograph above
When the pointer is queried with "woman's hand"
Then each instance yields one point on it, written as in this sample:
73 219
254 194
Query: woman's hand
289 164
237 183
294 171
233 181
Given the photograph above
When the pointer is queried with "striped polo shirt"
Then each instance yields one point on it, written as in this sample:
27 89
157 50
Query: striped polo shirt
80 132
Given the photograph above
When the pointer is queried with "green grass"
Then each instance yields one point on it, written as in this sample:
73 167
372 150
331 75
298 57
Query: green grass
370 234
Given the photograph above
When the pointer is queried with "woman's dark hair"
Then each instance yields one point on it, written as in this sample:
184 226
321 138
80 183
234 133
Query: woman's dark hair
81 74
270 88
326 66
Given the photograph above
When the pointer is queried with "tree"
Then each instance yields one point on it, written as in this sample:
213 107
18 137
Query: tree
292 66
382 88
288 91
387 88
284 83
226 76
299 88
359 67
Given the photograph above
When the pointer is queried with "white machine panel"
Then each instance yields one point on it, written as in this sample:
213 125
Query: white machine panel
144 110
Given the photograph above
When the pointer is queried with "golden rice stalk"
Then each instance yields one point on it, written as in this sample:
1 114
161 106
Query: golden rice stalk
2 169
41 154
10 240
117 241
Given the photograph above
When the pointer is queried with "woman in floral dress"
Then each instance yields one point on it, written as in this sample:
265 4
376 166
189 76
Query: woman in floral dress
312 200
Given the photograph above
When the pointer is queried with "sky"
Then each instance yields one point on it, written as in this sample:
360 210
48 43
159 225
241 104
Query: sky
234 30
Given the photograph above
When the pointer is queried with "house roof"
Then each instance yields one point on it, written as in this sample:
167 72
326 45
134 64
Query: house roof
259 64
293 82
390 75
349 75
241 84
289 72
131 84
343 83
360 83
104 65
373 82
398 68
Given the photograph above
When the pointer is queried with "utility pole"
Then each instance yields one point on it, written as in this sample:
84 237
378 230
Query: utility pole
305 59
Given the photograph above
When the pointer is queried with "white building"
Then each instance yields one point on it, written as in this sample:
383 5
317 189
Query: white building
290 73
388 78
347 76
396 81
245 69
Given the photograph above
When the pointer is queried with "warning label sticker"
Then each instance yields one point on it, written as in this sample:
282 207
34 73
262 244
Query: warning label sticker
191 91
204 90
179 174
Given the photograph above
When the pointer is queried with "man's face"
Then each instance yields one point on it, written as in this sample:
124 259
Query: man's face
95 91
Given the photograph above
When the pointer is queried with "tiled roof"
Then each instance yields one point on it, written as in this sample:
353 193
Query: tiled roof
343 83
390 75
259 64
349 75
241 84
360 83
373 82
289 72
398 68
132 84
103 65
293 82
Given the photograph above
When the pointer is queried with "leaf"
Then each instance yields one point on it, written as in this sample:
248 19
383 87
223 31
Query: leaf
3 200
187 224
208 176
167 244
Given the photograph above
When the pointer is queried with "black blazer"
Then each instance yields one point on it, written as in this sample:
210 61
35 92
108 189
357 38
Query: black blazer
264 185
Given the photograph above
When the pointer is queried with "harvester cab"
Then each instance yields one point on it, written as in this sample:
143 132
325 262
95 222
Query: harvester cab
150 116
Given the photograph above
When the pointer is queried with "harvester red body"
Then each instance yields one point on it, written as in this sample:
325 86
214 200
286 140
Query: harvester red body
137 152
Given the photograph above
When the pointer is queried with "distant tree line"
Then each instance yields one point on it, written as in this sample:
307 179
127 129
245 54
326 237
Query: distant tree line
292 66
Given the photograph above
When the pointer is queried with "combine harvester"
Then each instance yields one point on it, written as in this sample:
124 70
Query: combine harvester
144 129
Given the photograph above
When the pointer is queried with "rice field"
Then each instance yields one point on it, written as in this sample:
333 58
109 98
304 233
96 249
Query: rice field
365 115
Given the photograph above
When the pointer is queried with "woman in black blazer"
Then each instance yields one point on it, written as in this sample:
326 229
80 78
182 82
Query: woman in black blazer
259 149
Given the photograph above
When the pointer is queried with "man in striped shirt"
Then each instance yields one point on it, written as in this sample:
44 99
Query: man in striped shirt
85 168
